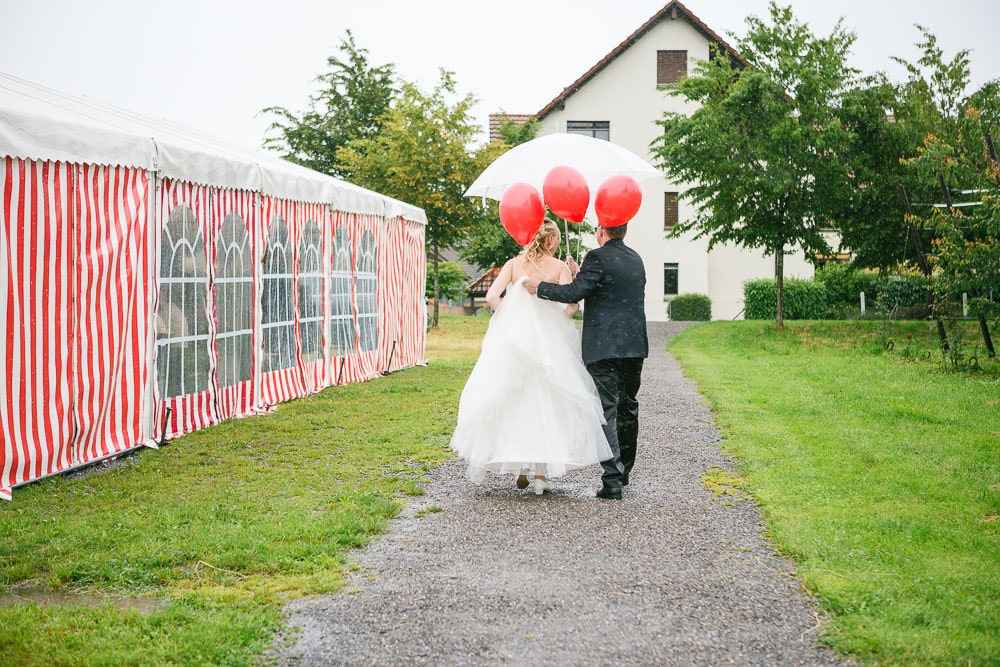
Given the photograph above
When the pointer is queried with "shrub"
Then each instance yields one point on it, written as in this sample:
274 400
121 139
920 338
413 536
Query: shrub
690 308
844 284
801 299
903 295
906 295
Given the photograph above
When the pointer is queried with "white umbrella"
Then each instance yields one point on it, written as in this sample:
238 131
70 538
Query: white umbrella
531 161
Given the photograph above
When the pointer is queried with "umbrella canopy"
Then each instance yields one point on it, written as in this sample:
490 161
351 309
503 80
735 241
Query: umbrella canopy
530 162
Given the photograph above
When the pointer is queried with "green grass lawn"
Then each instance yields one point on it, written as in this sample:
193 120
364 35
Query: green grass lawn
879 476
185 555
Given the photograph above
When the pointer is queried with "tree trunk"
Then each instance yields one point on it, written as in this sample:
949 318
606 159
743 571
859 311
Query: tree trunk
987 339
779 282
437 289
924 265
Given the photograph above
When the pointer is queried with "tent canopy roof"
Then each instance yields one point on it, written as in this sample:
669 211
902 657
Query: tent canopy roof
38 123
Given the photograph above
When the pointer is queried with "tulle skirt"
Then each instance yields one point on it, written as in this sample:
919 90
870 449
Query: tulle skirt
529 403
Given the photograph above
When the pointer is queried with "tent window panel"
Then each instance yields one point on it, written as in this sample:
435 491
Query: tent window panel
341 306
234 302
311 292
277 309
367 293
181 322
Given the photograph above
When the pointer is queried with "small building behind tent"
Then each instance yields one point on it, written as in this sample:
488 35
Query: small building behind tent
155 281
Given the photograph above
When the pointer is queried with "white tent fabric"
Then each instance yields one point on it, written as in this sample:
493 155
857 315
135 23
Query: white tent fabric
38 123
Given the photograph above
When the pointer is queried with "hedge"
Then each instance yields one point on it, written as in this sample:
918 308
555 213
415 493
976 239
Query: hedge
801 299
690 308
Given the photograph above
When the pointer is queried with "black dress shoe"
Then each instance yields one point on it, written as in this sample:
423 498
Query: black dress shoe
625 480
610 493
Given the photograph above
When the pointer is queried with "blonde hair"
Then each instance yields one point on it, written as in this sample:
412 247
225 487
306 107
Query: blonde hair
536 248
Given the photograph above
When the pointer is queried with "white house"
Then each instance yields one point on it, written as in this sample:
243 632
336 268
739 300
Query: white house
620 99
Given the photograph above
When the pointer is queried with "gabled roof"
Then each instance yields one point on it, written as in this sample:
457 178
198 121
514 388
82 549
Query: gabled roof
671 11
485 281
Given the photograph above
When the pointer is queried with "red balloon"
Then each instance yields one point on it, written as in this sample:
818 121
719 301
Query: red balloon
618 200
521 211
566 193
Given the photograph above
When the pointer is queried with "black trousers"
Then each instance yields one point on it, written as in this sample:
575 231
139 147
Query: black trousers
617 383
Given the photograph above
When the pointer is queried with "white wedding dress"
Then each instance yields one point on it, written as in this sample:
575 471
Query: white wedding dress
529 399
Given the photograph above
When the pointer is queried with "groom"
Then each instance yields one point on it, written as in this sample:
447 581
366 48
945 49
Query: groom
612 284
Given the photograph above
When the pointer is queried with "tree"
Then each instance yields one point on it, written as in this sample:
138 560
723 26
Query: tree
953 158
490 245
452 281
351 105
424 155
761 149
870 223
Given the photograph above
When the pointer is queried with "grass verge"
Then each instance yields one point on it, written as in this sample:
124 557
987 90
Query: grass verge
185 555
879 475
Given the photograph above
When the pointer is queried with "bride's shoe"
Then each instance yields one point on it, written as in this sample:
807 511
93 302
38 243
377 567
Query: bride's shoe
541 486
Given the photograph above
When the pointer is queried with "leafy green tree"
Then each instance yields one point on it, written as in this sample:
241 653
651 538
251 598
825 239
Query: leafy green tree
351 104
513 133
952 167
452 282
967 261
871 223
425 155
760 149
490 245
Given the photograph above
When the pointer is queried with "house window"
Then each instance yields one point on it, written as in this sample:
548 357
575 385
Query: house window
598 129
669 210
670 279
671 66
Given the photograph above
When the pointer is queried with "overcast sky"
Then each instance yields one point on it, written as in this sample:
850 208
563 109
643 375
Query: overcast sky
214 64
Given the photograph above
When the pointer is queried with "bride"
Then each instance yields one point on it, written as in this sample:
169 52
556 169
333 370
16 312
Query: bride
530 406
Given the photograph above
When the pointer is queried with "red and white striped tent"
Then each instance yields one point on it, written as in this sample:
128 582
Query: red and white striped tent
155 281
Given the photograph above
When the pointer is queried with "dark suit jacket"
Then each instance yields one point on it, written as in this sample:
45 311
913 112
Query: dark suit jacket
612 284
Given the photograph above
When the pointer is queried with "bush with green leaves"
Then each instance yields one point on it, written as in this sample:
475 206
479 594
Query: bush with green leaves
690 308
904 295
844 285
899 294
453 282
801 299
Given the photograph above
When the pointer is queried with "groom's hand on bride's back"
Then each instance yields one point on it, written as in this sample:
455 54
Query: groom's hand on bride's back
531 285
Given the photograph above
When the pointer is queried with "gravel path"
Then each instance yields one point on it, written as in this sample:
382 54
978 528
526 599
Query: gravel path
671 575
